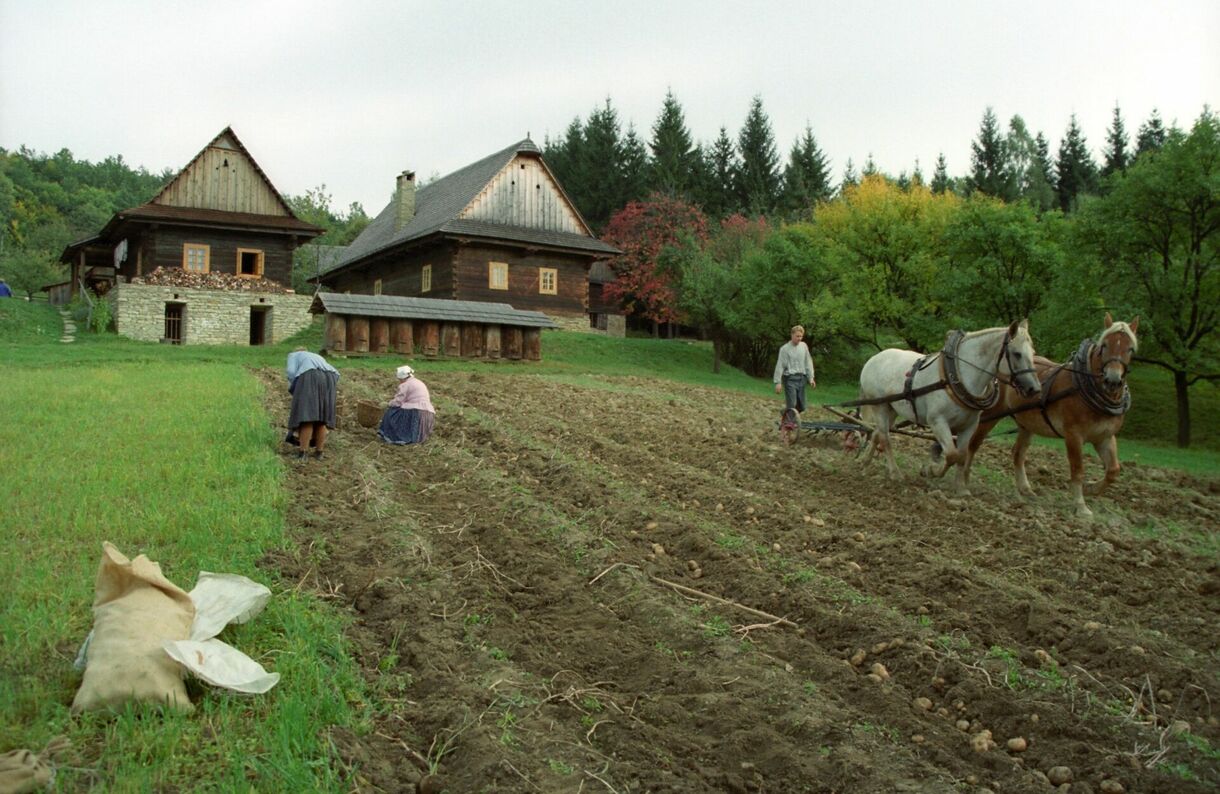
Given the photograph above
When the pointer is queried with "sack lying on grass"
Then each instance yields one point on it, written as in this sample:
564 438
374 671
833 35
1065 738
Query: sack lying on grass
135 610
23 771
221 599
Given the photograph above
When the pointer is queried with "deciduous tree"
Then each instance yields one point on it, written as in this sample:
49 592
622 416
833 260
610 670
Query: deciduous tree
1157 241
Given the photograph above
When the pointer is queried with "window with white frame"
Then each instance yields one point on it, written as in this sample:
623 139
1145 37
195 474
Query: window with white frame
497 275
195 257
548 281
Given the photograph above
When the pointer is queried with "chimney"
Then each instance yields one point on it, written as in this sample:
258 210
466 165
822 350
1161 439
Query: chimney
404 200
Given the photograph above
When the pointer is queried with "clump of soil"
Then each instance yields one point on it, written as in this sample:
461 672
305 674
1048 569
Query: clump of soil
506 582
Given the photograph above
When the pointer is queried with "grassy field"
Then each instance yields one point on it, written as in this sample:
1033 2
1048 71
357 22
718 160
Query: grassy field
176 460
166 451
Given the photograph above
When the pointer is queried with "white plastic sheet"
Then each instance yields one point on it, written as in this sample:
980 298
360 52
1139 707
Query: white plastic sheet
221 599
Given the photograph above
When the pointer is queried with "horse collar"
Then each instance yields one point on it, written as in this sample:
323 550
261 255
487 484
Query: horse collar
951 376
1086 384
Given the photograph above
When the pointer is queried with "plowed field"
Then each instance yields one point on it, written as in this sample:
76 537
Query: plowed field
510 583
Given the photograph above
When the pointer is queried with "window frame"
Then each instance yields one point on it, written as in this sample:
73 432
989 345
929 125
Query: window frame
207 257
377 286
554 273
425 278
492 269
258 272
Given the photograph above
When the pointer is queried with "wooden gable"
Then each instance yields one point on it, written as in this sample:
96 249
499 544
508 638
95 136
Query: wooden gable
224 177
524 193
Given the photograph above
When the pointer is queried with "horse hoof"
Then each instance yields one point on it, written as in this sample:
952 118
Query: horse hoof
1084 514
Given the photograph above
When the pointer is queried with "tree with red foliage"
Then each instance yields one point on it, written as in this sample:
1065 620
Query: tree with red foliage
641 230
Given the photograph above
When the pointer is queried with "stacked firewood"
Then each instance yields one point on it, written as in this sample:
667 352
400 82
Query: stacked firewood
177 277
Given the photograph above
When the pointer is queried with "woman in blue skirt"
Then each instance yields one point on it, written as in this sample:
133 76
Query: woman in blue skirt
410 417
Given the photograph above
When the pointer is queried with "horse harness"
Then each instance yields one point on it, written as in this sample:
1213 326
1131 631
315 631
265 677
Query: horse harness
950 379
1084 383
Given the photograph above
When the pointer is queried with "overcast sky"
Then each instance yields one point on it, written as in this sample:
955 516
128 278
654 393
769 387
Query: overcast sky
349 94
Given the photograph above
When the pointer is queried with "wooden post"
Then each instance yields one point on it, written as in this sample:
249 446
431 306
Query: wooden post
532 342
491 341
428 337
451 339
472 340
512 341
336 333
402 338
379 341
358 334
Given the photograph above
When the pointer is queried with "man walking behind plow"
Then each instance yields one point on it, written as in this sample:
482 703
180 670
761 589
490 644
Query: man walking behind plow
793 371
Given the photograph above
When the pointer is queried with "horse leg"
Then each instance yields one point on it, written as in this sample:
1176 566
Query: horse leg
965 456
884 415
1107 450
1075 451
944 437
976 441
1018 461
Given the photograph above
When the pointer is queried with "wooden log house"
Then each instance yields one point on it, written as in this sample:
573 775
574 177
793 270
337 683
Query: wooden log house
385 324
500 230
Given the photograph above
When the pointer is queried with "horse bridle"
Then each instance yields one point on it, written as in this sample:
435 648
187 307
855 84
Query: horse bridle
1105 362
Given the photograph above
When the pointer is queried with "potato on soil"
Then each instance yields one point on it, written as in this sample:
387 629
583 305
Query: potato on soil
878 669
922 704
982 742
1058 775
1017 744
858 658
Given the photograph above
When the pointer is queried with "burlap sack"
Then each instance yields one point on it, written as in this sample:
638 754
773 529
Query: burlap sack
23 771
135 610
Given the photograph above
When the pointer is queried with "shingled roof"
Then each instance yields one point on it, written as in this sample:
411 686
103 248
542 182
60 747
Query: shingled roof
402 308
438 205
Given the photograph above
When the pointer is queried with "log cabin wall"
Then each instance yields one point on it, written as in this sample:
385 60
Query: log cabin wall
572 271
401 273
163 248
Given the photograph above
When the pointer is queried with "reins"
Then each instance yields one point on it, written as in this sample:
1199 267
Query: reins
949 379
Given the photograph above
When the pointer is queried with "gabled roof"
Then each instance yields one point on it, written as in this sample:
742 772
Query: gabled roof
225 136
439 205
404 308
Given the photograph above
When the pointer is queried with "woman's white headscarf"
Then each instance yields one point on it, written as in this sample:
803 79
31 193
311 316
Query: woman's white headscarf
405 372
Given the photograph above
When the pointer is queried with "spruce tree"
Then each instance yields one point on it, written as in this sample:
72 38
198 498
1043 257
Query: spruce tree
563 156
988 172
1151 134
634 169
940 176
850 178
806 177
1076 173
917 175
674 159
720 168
758 178
600 176
1116 154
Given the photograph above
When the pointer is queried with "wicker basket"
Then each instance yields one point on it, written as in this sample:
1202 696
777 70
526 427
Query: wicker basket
368 413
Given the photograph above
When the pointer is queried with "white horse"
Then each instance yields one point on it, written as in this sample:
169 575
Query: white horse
945 391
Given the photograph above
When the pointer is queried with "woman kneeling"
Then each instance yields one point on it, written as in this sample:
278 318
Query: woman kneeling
410 417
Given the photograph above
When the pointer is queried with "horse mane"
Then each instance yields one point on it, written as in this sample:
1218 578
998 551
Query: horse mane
1003 328
1119 325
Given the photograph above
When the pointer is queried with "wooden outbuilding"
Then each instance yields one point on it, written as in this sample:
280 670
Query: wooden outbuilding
384 324
499 230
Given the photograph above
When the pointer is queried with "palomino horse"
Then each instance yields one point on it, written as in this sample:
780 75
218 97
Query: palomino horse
1083 402
948 398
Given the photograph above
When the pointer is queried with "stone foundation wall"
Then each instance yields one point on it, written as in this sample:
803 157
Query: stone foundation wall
210 317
